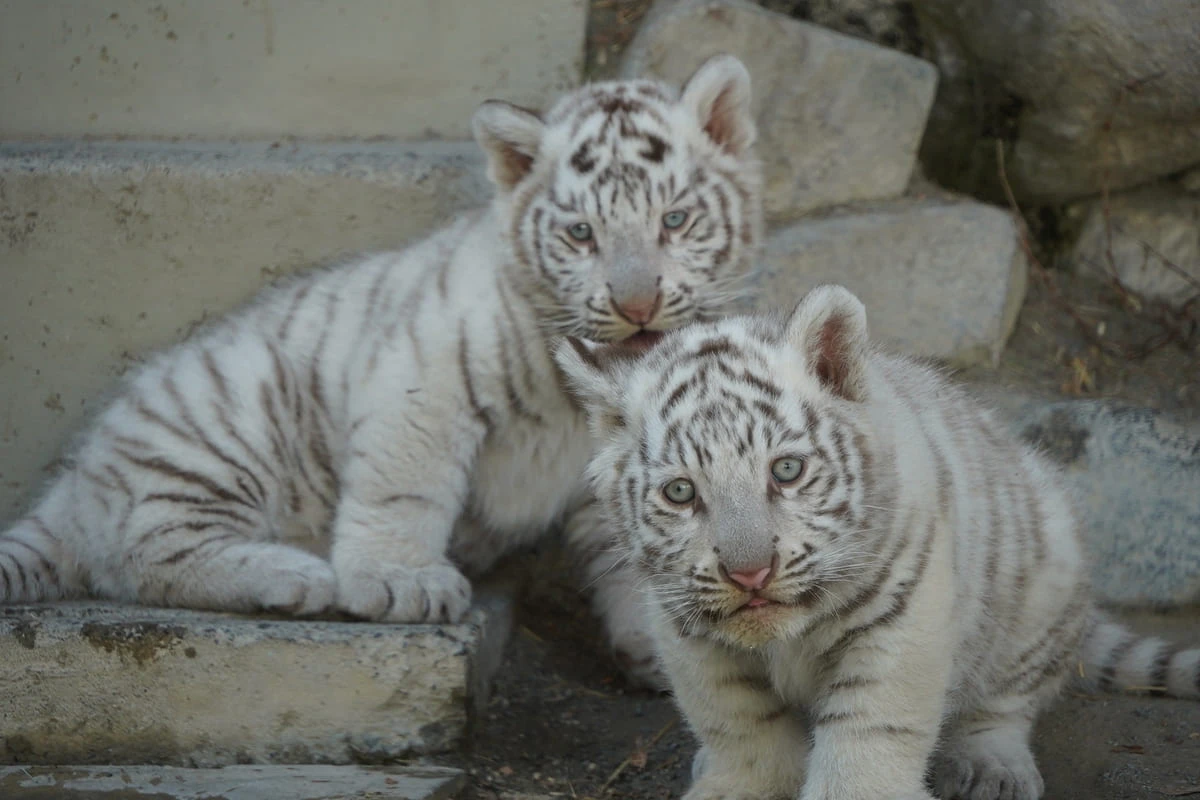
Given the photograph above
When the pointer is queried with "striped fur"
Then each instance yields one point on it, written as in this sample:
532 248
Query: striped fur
361 436
913 584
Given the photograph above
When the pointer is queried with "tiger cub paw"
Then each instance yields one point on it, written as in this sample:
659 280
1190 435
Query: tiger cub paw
989 766
729 788
396 593
297 583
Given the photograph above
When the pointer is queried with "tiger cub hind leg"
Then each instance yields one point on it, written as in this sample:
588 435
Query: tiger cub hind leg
616 593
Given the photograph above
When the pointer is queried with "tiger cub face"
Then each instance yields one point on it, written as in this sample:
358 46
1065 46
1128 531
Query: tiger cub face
632 207
733 458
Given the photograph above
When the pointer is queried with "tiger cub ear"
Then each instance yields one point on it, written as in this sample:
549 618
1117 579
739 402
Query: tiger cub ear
718 93
829 330
510 136
596 379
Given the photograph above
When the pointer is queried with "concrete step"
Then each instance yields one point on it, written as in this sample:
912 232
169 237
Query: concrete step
105 684
110 250
317 69
941 277
309 782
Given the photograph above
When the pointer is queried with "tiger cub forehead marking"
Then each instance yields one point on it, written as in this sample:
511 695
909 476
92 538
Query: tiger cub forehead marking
723 393
624 144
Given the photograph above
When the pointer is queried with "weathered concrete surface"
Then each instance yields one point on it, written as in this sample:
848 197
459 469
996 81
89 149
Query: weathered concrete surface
839 119
940 279
317 69
1154 241
111 250
1136 478
309 782
103 684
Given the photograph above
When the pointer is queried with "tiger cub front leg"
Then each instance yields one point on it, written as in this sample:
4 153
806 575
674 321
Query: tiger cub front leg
401 492
879 714
753 743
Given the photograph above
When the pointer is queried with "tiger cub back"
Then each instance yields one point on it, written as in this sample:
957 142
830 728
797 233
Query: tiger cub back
849 564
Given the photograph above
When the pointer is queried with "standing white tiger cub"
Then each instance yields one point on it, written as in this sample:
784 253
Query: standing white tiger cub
361 436
853 571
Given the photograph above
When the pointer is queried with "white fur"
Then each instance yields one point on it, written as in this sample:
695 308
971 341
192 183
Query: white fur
927 582
361 436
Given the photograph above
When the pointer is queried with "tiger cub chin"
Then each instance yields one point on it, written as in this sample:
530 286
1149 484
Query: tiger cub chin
855 576
362 436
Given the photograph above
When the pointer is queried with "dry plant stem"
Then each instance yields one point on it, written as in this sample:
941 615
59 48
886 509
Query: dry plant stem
1040 271
616 773
1177 324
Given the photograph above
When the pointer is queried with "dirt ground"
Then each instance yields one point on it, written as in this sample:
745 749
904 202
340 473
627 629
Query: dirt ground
563 723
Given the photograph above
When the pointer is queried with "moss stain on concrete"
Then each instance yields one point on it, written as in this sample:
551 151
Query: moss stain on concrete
141 642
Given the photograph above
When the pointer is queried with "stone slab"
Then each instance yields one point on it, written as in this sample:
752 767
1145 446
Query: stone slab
940 279
1135 474
243 782
106 684
318 69
839 119
110 250
1153 235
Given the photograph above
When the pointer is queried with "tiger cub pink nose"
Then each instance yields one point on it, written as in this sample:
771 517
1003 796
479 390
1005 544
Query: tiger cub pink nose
639 310
751 579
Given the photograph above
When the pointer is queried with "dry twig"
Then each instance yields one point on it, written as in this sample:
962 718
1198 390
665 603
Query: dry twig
638 754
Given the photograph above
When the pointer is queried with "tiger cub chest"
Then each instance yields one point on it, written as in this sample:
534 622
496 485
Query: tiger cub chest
530 471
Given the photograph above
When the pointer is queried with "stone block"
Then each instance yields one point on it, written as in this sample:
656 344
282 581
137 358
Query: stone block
1153 235
308 782
319 69
105 684
939 279
113 249
1088 95
839 118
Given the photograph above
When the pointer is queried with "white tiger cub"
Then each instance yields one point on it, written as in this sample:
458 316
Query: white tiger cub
359 437
850 566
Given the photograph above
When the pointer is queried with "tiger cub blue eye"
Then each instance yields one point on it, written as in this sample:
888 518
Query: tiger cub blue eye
674 219
679 491
787 469
580 232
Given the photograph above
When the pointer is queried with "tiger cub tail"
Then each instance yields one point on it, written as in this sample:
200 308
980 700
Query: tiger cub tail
1113 658
35 564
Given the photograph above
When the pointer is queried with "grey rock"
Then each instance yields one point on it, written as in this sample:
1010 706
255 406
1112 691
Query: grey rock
1088 92
839 119
110 250
940 279
1154 241
1190 181
105 684
242 782
1136 478
890 23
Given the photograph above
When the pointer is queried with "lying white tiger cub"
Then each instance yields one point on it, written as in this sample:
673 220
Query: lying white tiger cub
850 565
